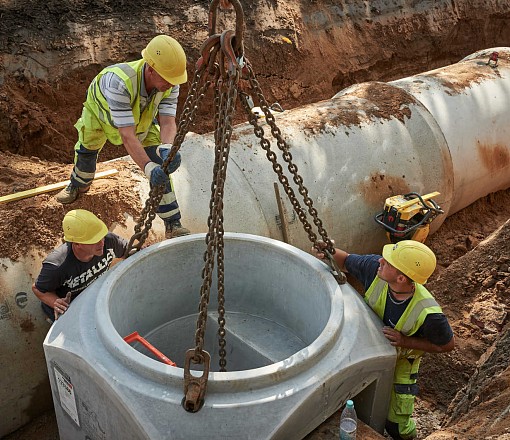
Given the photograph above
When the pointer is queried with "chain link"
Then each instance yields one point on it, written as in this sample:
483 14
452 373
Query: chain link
214 238
145 221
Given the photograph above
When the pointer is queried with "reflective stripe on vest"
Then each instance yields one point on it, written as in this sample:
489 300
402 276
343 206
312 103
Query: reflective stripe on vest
131 74
422 304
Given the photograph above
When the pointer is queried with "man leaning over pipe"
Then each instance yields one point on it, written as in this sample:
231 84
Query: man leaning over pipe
87 254
134 104
414 322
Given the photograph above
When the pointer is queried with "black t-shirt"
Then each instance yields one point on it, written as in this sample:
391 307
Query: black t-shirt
62 272
435 328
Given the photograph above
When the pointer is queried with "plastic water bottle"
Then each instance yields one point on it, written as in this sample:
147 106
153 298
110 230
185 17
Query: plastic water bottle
348 422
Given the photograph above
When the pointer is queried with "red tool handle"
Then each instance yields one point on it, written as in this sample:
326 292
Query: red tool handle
136 337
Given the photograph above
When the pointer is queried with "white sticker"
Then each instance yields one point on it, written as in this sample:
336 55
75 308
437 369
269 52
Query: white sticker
66 393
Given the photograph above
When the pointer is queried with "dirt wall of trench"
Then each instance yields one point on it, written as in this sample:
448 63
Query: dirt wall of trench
301 51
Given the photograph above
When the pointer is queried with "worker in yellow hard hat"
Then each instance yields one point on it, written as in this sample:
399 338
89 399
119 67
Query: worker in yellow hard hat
134 104
87 253
414 322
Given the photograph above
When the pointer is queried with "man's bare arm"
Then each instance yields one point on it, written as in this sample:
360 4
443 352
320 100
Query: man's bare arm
168 128
51 299
397 339
133 146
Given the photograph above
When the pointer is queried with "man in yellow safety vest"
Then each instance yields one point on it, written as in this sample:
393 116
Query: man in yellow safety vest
414 322
134 104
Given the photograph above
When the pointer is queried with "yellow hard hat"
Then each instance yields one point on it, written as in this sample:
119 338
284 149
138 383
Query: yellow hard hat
166 56
81 226
412 258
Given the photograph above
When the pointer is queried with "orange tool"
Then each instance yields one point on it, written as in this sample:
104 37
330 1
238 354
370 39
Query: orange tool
135 337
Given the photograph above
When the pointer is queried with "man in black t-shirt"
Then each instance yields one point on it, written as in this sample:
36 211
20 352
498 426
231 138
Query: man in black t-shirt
87 253
414 322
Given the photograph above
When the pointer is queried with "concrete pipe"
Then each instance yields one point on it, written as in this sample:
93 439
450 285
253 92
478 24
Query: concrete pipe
25 392
298 346
446 130
469 101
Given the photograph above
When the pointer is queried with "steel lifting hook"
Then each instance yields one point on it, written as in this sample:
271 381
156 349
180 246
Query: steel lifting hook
337 273
209 47
226 46
239 49
195 387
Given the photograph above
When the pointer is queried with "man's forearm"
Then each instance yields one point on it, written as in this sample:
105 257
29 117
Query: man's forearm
422 344
168 129
133 146
340 256
47 298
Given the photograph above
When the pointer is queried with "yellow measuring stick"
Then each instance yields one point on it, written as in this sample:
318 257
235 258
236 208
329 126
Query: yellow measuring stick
47 188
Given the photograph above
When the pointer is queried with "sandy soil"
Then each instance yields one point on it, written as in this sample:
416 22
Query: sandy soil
49 51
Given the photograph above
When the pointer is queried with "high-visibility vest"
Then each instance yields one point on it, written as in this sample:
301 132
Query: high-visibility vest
421 305
131 73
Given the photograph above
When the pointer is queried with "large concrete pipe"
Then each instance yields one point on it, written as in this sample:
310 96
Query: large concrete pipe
298 346
446 130
470 102
25 391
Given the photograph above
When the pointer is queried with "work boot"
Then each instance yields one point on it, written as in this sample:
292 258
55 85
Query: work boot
70 193
175 229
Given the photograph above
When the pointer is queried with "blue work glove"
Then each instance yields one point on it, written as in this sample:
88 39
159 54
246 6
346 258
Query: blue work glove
163 151
156 175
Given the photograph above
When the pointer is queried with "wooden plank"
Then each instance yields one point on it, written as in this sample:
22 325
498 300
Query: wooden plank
47 188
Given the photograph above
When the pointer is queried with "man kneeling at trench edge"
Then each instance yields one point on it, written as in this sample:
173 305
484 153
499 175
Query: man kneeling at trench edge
87 254
414 322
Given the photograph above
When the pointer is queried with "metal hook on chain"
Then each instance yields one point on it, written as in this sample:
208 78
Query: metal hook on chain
195 387
146 218
208 50
336 272
226 39
239 33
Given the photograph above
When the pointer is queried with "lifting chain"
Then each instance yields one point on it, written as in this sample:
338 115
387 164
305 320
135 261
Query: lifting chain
214 237
148 213
226 88
293 169
222 65
227 78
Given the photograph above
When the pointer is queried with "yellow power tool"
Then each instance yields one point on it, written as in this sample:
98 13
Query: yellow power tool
408 216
